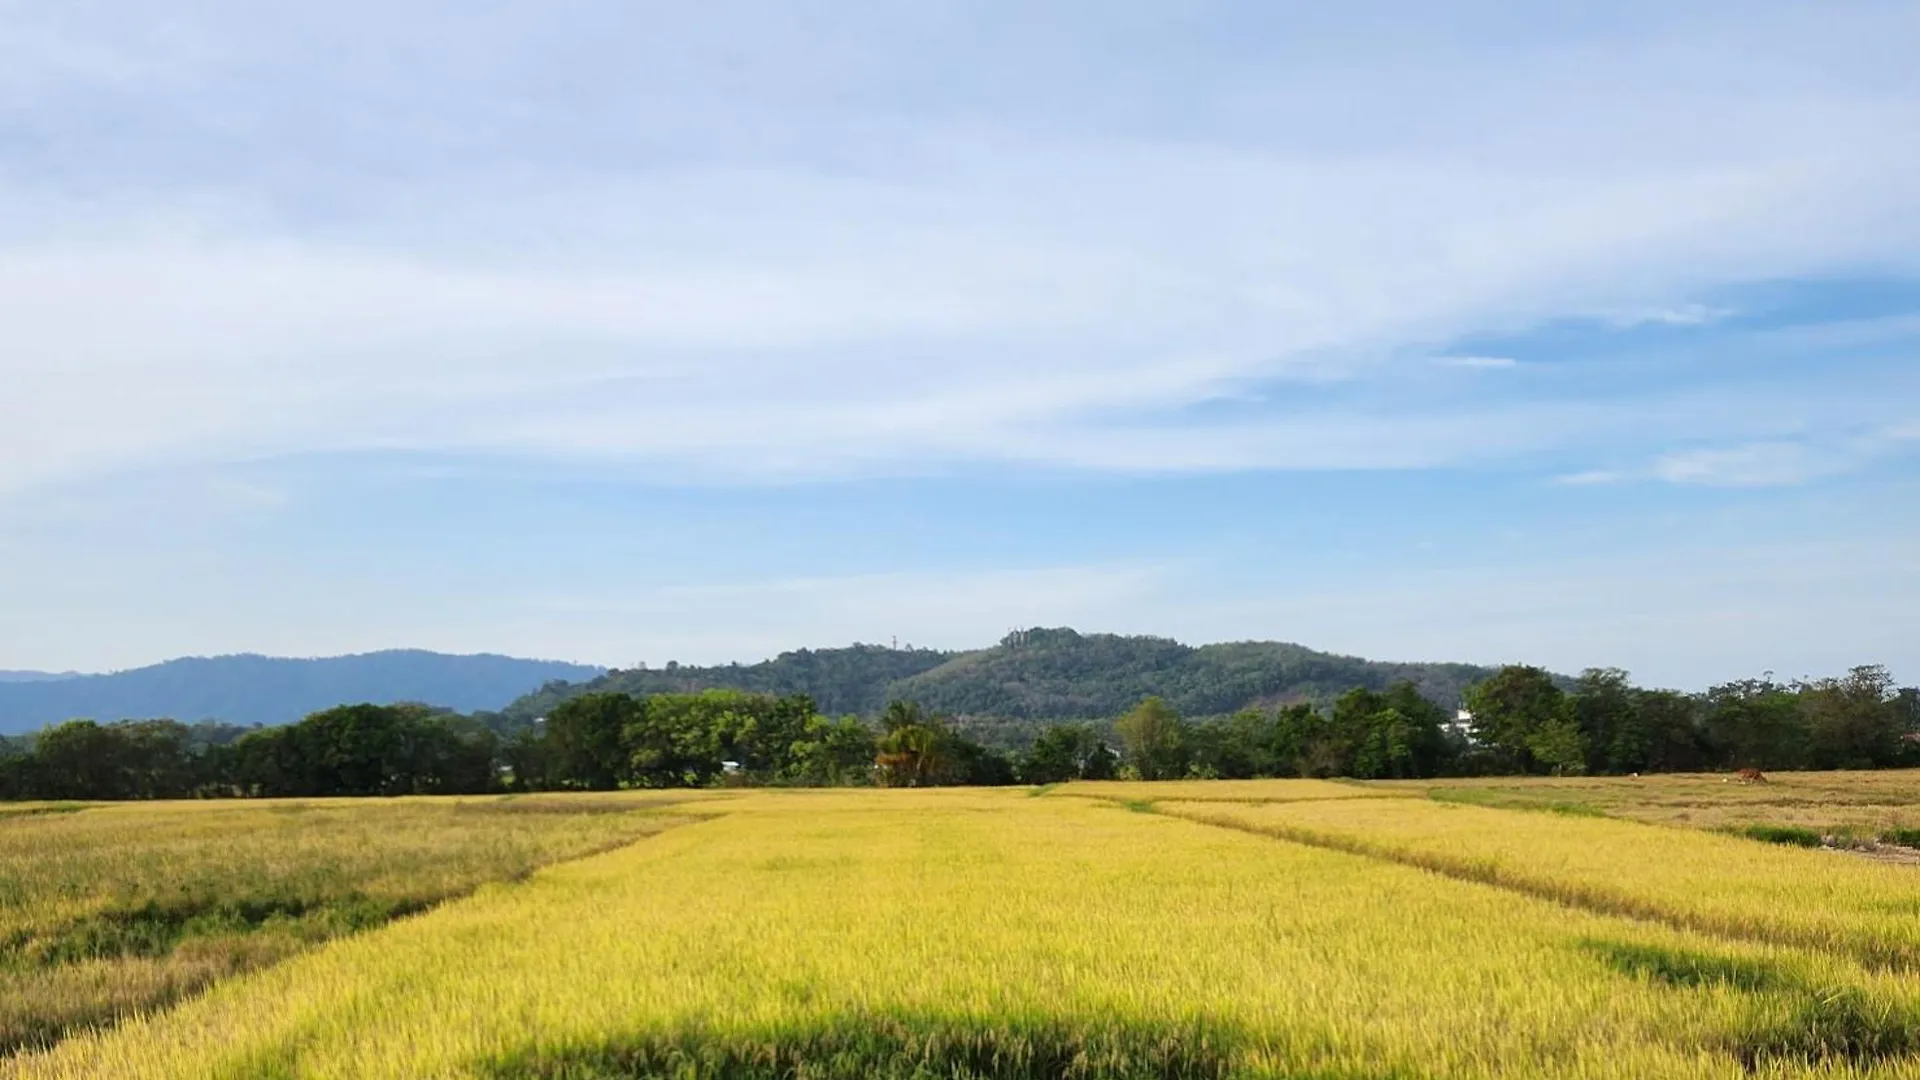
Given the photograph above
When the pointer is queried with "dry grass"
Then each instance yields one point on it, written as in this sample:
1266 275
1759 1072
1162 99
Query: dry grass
1861 804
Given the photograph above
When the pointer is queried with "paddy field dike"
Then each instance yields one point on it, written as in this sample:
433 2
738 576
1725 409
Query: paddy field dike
1650 927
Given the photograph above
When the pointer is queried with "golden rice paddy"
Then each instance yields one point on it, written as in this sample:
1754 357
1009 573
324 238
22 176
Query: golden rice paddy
1252 929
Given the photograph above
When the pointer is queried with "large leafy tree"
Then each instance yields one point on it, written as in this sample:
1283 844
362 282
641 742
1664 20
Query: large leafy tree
1155 740
831 753
1513 706
1067 752
1606 711
1756 723
1669 723
1396 733
1854 721
587 740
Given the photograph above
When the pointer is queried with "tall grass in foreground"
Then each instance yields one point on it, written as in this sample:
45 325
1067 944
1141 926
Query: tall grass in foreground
115 909
988 934
1720 884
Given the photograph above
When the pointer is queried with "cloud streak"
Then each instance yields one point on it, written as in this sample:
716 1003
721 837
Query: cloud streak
1766 463
890 265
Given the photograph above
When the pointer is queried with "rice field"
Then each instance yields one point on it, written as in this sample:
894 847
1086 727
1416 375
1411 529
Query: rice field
1191 929
1853 806
112 909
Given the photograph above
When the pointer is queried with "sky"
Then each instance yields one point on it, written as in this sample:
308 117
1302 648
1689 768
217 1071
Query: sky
1577 335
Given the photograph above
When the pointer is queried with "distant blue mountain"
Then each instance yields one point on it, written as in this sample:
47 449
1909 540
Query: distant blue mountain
36 676
271 690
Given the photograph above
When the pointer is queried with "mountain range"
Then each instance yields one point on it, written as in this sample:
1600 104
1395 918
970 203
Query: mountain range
251 689
1002 693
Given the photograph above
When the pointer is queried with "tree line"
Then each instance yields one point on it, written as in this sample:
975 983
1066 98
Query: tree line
1524 720
1519 720
595 742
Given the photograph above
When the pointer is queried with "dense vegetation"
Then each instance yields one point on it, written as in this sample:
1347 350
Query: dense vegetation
272 690
1522 721
852 680
1004 694
596 742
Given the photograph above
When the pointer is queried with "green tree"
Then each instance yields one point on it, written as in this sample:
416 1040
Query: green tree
1397 733
832 753
912 748
587 740
1854 721
1755 723
968 762
1304 743
1560 747
1234 747
1606 710
1155 740
1067 752
1510 708
680 740
80 759
1669 721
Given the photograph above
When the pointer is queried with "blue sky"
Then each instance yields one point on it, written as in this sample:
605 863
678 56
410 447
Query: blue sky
630 331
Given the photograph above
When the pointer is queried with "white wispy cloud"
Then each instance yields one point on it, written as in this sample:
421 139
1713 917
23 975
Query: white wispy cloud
557 237
1674 315
1479 363
1591 478
1753 465
1761 463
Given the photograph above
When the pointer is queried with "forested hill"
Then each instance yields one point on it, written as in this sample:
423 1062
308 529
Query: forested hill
1042 675
273 690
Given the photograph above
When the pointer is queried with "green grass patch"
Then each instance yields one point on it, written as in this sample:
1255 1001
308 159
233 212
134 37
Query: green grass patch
156 929
35 809
896 1047
1684 968
1790 835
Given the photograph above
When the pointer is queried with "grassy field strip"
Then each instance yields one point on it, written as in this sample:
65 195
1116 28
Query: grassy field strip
990 934
1688 878
129 907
